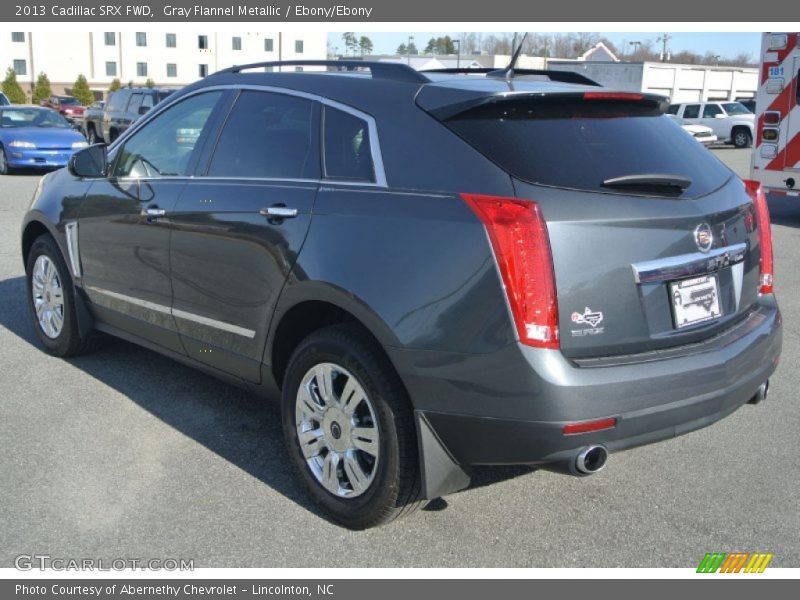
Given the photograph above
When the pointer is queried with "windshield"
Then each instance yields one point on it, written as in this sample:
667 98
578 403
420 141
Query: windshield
32 117
736 108
68 100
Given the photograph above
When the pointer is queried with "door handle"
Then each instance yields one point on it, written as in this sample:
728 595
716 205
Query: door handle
153 212
279 212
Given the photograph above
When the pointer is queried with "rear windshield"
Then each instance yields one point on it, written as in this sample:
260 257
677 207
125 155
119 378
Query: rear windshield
579 144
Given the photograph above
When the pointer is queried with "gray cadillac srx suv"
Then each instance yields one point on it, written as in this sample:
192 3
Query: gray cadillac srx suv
431 271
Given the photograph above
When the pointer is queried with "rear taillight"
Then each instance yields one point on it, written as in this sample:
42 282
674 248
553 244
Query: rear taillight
767 271
518 234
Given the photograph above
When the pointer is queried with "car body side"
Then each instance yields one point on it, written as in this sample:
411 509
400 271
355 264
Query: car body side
411 264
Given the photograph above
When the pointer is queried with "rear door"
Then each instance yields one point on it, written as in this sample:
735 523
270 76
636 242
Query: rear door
239 226
640 264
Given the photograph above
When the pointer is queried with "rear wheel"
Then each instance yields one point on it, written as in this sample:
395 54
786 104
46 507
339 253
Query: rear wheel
51 300
92 136
742 138
349 428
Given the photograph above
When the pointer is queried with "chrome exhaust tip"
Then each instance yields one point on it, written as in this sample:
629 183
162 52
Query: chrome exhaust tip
591 460
761 394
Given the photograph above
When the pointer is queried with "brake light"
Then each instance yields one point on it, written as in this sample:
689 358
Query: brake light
630 96
767 270
589 426
518 235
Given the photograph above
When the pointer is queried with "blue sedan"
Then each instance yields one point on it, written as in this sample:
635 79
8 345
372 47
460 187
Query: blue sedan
35 137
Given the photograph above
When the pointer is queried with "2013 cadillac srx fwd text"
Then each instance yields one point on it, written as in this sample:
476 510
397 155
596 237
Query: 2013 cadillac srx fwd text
431 271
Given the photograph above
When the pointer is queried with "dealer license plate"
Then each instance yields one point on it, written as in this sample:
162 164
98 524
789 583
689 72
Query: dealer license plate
694 300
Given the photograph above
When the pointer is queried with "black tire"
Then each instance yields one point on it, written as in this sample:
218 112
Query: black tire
742 137
68 342
4 168
395 488
91 136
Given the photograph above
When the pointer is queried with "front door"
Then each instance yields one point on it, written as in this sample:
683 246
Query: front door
239 226
124 227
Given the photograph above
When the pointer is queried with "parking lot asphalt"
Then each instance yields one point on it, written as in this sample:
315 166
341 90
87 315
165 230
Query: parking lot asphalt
126 454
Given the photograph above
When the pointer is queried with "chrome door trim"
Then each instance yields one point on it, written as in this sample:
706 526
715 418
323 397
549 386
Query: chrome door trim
375 148
688 265
180 314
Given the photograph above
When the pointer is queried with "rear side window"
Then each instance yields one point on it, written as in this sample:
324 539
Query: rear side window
267 135
580 144
691 111
347 153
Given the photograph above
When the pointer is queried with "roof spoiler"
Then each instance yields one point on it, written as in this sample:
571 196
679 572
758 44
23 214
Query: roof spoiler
559 76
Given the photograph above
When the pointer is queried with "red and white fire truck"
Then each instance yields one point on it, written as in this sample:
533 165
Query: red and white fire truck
776 156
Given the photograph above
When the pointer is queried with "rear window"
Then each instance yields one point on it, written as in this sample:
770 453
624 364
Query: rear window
578 144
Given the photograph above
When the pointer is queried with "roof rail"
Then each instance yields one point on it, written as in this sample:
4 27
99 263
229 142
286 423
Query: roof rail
380 70
560 76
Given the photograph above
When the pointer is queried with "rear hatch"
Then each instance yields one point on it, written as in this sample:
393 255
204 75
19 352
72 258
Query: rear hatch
652 237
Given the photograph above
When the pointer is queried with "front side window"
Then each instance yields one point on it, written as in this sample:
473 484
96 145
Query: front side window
735 108
346 147
134 103
691 111
141 38
164 146
711 110
267 136
172 42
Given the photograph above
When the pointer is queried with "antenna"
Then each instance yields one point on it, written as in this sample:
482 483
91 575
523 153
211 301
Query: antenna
508 72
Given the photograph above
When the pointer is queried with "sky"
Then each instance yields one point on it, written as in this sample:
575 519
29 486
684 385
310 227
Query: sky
726 44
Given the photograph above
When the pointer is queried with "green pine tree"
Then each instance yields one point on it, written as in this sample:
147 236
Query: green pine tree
82 92
12 89
42 89
115 85
150 83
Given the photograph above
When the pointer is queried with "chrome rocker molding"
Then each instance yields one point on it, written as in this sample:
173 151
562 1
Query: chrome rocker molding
180 314
71 232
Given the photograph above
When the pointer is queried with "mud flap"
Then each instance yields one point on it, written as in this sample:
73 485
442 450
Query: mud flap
440 473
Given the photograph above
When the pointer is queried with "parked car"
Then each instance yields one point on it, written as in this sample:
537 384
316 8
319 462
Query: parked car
67 106
4 100
400 260
732 123
124 107
35 137
92 119
701 133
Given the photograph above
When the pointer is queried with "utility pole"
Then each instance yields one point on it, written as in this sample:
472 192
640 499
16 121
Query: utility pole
458 56
664 39
408 48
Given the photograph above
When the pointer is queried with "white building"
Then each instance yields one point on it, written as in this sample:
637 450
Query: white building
169 59
682 83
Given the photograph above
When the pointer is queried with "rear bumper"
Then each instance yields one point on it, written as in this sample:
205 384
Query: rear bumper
512 409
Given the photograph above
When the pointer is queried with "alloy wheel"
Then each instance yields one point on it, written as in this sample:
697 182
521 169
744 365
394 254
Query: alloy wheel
337 428
48 297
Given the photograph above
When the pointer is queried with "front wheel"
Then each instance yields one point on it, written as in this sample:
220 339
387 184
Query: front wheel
4 168
349 428
51 300
742 138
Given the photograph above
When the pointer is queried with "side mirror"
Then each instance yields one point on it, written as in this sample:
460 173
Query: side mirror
90 163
